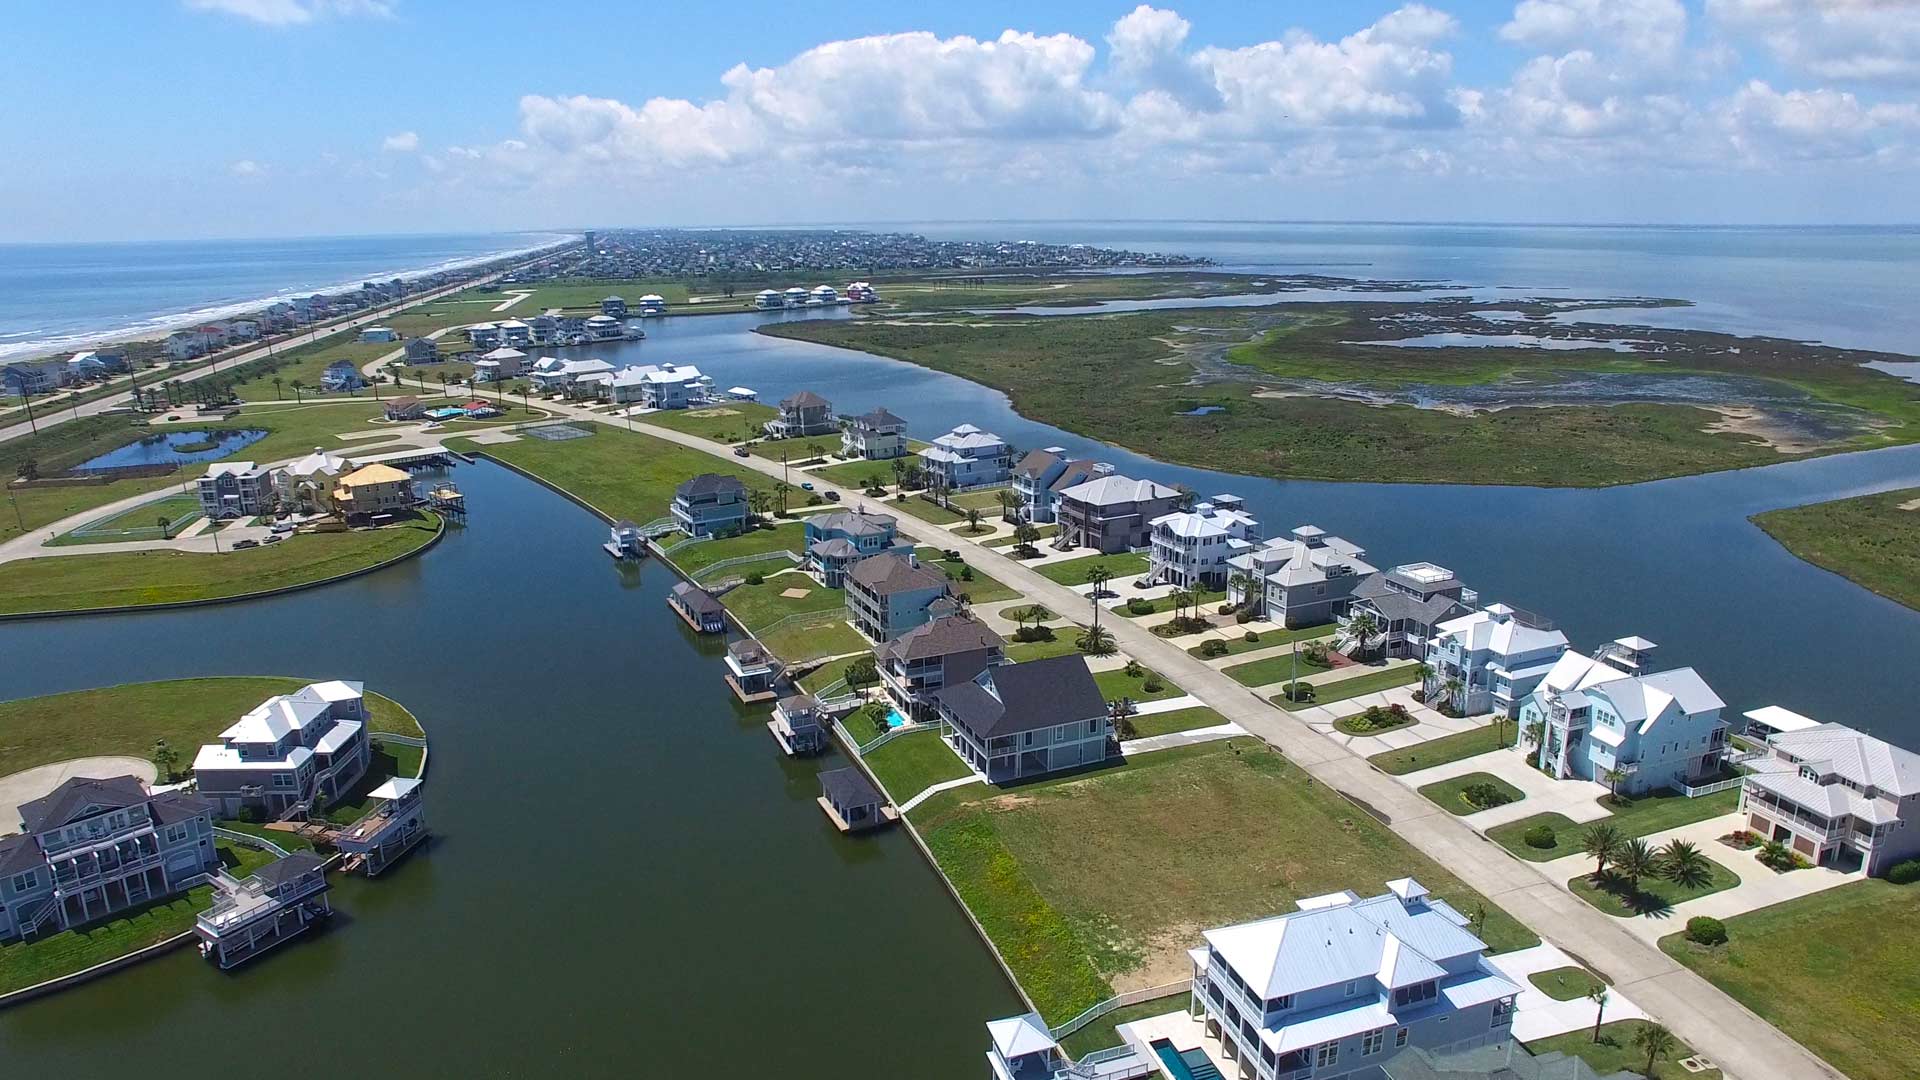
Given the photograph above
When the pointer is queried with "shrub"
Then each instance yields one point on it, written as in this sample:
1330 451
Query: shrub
1540 836
1139 606
1904 873
1298 691
756 578
1484 795
1705 930
1243 618
1213 647
1134 670
1033 633
1152 685
1250 637
966 573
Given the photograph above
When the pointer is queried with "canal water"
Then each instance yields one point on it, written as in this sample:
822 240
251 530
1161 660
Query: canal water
627 877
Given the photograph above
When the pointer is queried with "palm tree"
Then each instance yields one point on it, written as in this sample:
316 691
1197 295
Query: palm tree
166 527
276 388
1597 994
1096 641
1008 501
1656 1040
759 502
1600 841
973 521
780 488
1023 536
1247 586
1362 627
443 381
165 757
1614 778
1682 864
297 386
1633 861
1455 689
1098 578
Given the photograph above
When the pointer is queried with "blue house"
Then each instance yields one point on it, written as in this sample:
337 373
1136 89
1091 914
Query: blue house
1601 718
837 541
341 375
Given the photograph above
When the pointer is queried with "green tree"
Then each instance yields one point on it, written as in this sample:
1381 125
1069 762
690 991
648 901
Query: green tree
1096 641
780 489
276 388
1362 626
759 502
297 386
1633 861
1614 778
1600 841
1597 993
1247 585
1684 865
28 469
1008 503
165 758
1655 1040
166 527
973 520
861 673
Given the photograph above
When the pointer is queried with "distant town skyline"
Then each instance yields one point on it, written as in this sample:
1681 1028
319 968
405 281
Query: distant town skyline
240 118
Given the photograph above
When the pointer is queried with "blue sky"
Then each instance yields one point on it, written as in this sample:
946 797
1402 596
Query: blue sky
190 118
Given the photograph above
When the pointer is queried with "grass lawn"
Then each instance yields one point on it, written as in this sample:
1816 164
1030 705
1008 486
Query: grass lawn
287 840
1565 984
620 473
1354 686
139 523
1178 720
1615 1052
786 536
1074 571
26 963
808 641
762 605
1061 645
987 502
1838 970
732 422
129 719
1870 540
1439 751
1651 896
1114 873
980 589
1451 795
855 474
1100 1034
84 582
1237 643
913 763
924 510
388 760
1274 669
1209 599
1008 541
1635 817
1117 684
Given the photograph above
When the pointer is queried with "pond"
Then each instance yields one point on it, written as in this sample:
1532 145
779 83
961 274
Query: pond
177 448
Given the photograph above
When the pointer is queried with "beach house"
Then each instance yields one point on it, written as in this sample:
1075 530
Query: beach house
1602 718
278 902
793 297
1837 796
422 350
874 436
888 595
614 307
1190 548
932 656
804 414
484 335
1490 660
604 327
1338 985
752 671
860 292
515 333
25 377
674 386
544 330
835 541
653 304
967 457
94 847
711 504
232 489
372 491
341 376
1018 721
496 365
292 752
1040 476
1303 579
184 345
405 407
1405 607
768 300
307 484
1111 513
823 294
372 335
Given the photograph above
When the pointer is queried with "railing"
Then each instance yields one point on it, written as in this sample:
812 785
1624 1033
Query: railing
863 749
1118 1001
685 543
739 560
804 618
1692 792
251 841
403 740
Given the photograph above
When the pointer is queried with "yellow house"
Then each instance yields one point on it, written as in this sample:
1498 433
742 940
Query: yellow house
372 489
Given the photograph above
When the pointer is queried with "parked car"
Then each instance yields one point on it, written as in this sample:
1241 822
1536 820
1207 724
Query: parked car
833 496
238 544
282 527
806 485
741 451
274 539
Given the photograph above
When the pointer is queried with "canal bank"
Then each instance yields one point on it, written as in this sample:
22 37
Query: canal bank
626 870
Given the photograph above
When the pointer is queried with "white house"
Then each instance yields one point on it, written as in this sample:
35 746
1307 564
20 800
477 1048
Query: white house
1190 548
653 304
823 294
767 300
968 457
307 484
1339 985
484 335
874 436
497 365
516 333
1491 659
305 748
1837 796
374 334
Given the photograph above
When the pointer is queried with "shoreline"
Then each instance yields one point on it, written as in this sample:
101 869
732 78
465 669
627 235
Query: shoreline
161 325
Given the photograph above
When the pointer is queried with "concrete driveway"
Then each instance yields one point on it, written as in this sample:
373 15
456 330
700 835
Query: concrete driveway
30 784
1577 799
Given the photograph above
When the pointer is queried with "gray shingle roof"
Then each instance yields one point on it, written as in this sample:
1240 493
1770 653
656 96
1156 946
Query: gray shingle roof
173 806
805 399
711 484
282 871
19 853
885 575
853 523
1036 694
848 787
879 418
696 599
943 637
77 794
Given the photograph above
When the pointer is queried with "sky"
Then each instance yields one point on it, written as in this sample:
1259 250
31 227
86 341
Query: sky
178 119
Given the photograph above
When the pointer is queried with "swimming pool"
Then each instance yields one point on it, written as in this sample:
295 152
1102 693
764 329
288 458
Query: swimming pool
894 719
1185 1064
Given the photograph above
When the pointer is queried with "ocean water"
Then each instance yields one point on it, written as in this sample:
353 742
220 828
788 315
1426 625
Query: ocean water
57 295
1857 287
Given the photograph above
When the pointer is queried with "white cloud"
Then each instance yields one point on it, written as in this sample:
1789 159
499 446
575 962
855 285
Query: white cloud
404 142
1852 40
293 12
1650 29
1764 124
247 168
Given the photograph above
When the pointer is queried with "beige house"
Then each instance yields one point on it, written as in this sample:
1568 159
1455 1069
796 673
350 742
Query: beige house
370 490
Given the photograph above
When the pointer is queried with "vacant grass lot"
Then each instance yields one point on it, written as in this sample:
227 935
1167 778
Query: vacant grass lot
786 536
1636 817
910 764
1565 984
128 719
1839 971
732 422
1076 571
1045 532
1117 684
1871 541
1353 686
761 605
1167 723
1615 1052
1237 643
1273 669
1447 748
856 475
982 588
622 474
1451 795
1111 876
132 578
925 510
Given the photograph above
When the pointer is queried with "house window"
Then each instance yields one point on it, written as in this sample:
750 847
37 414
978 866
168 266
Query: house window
1352 987
1400 1038
26 881
1093 726
1326 1055
1284 1001
1374 1042
176 833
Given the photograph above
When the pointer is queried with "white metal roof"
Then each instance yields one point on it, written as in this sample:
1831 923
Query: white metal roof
395 787
1780 719
1018 1035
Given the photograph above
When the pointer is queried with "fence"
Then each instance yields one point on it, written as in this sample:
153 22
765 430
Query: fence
1119 1001
250 840
738 560
1708 789
804 618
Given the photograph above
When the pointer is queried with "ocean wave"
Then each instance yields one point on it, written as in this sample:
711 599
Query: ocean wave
36 342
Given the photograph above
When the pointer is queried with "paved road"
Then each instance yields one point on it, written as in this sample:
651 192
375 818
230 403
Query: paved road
116 400
1715 1025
